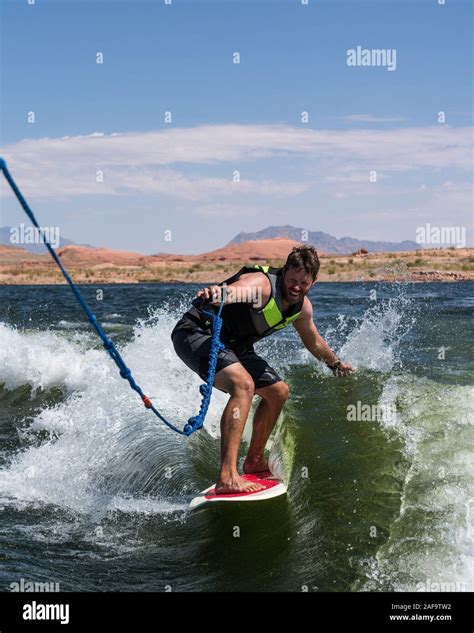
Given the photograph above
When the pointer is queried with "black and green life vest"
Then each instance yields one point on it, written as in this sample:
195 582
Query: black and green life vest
243 324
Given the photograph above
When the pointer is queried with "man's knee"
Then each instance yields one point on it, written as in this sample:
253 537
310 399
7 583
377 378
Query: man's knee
283 390
243 385
236 381
278 392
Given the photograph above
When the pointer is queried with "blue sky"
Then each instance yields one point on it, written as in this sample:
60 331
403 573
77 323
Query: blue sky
230 117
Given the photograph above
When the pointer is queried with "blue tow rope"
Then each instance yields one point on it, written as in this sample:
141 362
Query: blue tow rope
195 423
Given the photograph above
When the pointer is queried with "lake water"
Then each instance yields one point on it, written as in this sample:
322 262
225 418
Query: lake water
94 489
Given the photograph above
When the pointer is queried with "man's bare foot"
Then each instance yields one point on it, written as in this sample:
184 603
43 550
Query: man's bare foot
257 468
236 483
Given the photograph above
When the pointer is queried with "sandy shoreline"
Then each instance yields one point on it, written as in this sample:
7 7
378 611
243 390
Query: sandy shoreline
445 265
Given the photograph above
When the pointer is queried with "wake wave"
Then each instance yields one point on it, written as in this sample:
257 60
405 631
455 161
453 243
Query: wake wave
47 359
101 443
374 341
430 544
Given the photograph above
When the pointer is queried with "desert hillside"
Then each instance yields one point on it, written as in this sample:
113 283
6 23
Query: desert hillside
252 251
101 265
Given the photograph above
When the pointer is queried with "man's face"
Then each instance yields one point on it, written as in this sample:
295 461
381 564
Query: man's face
296 284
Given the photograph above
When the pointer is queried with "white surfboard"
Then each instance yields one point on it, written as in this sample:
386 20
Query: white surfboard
273 488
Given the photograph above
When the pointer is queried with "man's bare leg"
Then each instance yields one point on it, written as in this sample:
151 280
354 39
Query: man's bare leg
266 415
239 384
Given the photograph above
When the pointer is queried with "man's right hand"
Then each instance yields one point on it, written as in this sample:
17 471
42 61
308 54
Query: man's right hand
212 294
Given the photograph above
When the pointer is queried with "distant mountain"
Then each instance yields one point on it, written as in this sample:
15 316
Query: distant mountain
39 249
323 241
11 255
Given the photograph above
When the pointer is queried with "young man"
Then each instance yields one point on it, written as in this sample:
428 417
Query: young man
259 301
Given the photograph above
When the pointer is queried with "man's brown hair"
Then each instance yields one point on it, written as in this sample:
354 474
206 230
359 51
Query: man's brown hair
303 257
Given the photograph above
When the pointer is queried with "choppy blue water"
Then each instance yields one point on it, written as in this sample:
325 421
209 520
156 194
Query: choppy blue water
94 490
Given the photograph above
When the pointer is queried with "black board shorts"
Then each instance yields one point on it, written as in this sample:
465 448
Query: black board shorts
192 343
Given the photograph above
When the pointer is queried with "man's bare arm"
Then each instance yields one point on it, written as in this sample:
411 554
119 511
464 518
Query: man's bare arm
251 288
314 342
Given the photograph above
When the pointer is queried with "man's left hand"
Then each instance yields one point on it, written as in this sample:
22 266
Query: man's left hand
341 369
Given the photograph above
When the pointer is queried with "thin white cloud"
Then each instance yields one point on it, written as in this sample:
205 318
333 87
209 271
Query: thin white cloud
165 161
355 177
454 196
178 185
370 118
